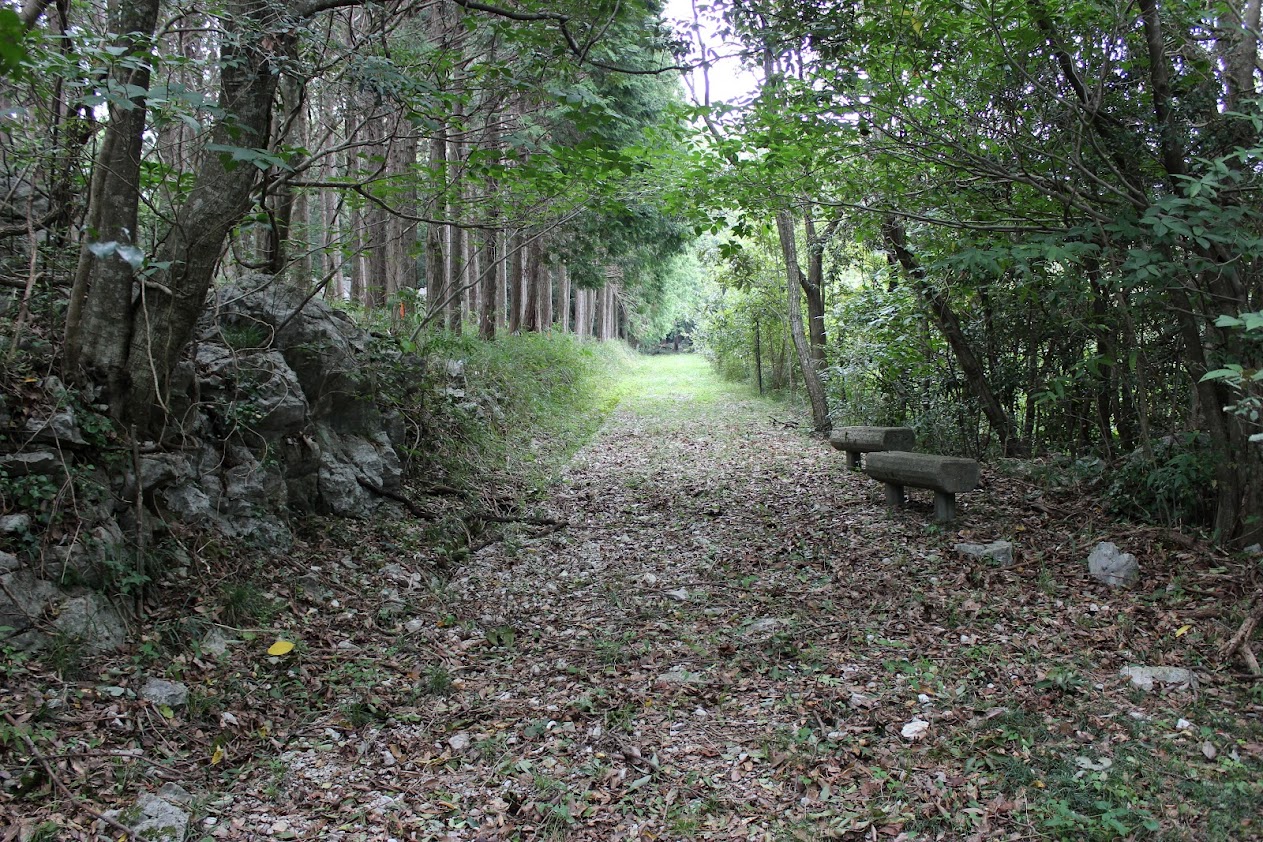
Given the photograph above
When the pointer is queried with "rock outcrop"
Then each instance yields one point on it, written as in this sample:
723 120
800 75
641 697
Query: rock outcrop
275 410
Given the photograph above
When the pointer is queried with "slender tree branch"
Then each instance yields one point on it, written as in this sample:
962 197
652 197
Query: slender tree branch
563 25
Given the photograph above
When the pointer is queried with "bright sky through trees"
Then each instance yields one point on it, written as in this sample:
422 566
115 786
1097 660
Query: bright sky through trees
728 80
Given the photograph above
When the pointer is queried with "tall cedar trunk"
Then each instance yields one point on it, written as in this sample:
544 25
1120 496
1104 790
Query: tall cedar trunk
375 218
99 320
401 232
515 282
581 319
281 204
534 268
563 297
166 312
546 298
436 233
436 239
949 325
331 239
354 223
473 283
598 312
489 268
490 262
502 278
458 262
793 288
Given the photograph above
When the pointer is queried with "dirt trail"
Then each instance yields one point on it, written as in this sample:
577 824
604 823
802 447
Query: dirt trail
731 639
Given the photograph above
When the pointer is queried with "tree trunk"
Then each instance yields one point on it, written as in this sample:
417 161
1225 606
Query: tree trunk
546 298
582 318
99 320
489 266
167 309
401 233
813 284
515 282
563 296
793 288
534 269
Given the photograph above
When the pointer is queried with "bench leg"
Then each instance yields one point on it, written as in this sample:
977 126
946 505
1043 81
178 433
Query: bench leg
944 507
853 460
894 495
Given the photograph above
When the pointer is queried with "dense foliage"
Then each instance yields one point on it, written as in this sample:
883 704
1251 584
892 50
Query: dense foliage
495 167
1065 196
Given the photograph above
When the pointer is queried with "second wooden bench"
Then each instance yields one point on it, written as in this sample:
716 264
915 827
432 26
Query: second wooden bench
857 440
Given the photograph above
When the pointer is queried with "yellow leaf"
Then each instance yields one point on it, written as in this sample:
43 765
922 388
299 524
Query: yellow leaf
1182 630
218 756
281 647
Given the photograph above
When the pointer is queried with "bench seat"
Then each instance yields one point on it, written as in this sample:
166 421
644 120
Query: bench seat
857 440
946 476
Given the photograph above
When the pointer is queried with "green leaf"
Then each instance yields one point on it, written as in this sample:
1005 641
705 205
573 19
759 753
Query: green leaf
1229 372
12 47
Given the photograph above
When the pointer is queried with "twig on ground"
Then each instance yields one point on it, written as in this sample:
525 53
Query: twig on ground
1240 642
61 787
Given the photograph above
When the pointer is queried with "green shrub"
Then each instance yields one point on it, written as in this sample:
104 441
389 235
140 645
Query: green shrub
1173 488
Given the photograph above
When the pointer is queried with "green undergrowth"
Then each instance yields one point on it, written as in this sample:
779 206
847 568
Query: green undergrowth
525 405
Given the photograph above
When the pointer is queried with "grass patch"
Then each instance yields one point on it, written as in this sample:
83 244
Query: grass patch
519 407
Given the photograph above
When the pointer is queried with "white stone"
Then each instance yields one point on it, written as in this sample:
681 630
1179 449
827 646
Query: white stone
1145 677
1001 552
1110 565
915 730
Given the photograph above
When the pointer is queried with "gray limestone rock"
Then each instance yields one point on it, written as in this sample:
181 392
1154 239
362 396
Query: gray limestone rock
61 426
175 794
1001 552
15 524
1145 678
160 691
94 621
1110 565
274 392
23 597
155 818
30 463
215 643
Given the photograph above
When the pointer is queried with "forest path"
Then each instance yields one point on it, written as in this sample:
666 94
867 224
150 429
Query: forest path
731 639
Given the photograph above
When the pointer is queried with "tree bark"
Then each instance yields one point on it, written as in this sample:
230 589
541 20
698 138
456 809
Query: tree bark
793 288
168 308
563 297
813 284
489 264
515 281
99 320
534 270
546 298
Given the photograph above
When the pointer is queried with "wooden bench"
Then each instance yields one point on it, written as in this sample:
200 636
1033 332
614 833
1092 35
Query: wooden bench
946 476
857 440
